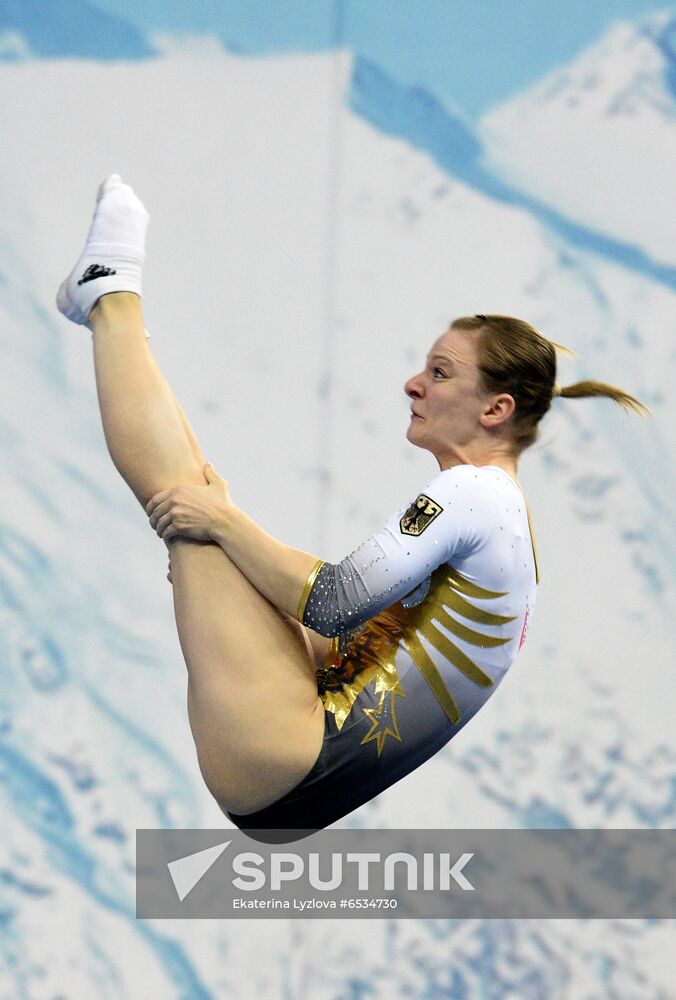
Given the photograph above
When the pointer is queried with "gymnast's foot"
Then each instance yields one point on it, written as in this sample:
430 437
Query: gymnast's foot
113 255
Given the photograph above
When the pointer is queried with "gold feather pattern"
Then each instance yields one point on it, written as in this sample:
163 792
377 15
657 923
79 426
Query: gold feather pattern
371 653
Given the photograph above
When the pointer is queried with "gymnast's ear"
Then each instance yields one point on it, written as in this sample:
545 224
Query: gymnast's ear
498 410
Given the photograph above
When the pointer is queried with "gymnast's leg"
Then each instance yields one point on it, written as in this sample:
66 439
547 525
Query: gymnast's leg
253 706
254 710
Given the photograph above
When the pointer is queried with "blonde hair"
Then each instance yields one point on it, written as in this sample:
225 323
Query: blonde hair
514 357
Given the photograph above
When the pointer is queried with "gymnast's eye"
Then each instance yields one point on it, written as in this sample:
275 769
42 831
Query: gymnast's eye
435 370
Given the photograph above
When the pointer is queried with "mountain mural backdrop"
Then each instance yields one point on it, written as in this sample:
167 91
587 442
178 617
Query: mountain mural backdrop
314 226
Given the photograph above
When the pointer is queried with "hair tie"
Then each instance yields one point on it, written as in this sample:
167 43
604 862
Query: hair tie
556 391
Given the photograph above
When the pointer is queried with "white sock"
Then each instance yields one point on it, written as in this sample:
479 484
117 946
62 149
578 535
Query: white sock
113 254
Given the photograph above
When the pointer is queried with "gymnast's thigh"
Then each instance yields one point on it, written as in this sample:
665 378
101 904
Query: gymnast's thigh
320 646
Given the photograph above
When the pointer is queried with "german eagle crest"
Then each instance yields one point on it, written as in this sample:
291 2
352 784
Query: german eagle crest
419 515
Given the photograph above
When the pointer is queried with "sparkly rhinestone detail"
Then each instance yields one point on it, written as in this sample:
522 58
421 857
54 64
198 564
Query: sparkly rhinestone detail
338 596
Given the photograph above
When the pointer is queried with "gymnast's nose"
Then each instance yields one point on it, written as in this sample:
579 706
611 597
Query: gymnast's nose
414 387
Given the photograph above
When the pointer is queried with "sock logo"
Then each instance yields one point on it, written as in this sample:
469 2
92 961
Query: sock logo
95 271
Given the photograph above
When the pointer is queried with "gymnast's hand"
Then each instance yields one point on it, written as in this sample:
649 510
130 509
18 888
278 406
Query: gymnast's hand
191 511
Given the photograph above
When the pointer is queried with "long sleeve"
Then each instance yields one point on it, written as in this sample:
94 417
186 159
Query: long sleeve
453 514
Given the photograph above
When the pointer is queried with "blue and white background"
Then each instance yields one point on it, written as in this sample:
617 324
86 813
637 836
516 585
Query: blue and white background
330 183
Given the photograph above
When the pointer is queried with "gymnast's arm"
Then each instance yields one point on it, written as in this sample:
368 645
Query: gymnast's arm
278 571
452 516
454 513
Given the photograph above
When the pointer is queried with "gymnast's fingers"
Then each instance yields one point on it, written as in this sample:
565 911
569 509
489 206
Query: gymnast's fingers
160 510
169 533
155 500
163 523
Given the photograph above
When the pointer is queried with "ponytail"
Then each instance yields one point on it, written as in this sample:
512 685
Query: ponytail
592 388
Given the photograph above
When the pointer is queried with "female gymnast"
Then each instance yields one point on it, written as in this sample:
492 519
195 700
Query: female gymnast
314 686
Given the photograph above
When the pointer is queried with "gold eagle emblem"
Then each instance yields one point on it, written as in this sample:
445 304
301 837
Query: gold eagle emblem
419 515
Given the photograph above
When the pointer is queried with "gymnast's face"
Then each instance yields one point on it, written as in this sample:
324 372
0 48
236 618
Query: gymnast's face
446 401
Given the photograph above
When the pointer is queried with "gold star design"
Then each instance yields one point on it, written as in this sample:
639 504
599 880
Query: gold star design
382 715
